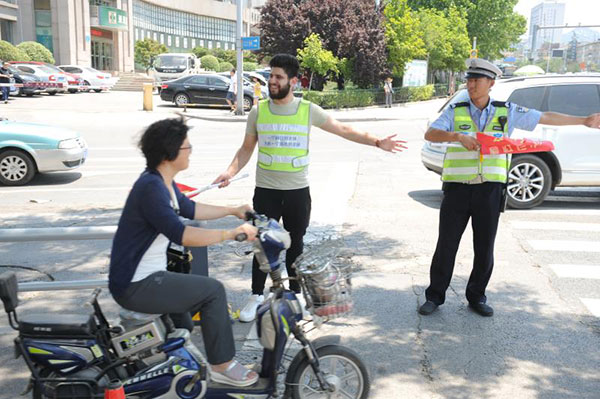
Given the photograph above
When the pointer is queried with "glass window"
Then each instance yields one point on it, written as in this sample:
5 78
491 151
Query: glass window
199 80
25 69
162 38
574 99
530 97
185 42
176 41
193 43
169 40
6 31
219 81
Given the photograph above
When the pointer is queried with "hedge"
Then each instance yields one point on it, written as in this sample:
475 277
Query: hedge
209 62
351 98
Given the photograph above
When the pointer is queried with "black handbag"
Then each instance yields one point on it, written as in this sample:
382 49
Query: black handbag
179 258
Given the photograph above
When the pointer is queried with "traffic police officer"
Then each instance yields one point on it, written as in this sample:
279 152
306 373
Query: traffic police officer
473 184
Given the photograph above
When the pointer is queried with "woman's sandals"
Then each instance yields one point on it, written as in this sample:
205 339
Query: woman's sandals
235 374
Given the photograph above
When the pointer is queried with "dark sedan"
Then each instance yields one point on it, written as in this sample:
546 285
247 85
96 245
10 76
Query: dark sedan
204 89
31 83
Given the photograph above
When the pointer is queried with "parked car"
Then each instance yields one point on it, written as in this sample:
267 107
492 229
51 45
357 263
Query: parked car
209 89
575 160
29 81
28 148
74 83
264 72
47 76
92 78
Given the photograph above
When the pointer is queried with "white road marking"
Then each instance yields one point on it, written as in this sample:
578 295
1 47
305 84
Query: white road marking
565 245
593 305
566 226
577 271
570 212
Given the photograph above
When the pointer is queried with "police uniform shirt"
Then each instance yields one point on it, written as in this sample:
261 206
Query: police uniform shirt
518 117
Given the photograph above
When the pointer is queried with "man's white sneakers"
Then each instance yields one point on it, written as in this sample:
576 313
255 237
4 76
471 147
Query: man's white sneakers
248 313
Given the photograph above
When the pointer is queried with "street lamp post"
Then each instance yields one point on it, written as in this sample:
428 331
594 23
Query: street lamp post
239 109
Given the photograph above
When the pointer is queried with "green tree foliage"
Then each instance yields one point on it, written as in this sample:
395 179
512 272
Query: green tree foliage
209 62
315 58
146 49
8 52
493 22
445 37
225 66
402 35
36 52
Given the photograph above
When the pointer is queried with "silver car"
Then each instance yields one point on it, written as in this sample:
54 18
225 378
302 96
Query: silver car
575 160
54 82
92 78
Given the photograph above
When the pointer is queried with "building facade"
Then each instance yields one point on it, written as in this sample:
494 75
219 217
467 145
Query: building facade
102 33
545 14
588 54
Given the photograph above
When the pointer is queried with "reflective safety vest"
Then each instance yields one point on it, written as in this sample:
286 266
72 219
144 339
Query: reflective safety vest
464 166
283 139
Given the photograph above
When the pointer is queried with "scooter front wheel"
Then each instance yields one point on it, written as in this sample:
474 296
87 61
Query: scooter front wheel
343 370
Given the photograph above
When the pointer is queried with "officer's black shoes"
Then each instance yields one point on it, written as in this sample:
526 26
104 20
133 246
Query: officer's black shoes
427 308
482 309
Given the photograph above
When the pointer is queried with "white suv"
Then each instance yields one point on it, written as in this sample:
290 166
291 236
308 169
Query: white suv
575 160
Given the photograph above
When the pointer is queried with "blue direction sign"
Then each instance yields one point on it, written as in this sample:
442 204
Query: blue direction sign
251 43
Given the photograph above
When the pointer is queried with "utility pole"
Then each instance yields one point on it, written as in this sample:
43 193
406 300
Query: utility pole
239 109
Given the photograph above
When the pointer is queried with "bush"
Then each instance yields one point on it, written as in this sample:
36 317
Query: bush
209 62
421 93
341 98
8 52
225 66
200 51
36 52
250 66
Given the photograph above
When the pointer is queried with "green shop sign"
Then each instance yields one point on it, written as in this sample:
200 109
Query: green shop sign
112 18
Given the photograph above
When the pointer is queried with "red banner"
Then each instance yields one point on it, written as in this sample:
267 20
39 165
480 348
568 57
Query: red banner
186 189
503 145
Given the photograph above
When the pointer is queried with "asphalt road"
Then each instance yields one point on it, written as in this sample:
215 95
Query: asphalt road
541 343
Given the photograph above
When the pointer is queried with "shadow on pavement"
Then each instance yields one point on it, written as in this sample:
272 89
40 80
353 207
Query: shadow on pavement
429 198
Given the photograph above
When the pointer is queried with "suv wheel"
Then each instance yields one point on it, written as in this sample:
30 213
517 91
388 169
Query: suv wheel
529 182
248 102
16 168
181 99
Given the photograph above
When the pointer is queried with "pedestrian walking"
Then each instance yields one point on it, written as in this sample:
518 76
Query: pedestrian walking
5 80
389 92
231 95
474 185
281 125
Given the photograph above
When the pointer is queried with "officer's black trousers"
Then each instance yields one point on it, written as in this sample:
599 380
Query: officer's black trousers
293 206
480 203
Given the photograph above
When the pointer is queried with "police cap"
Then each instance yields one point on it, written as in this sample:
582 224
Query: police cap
477 68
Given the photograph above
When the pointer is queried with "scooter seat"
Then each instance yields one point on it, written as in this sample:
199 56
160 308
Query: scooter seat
130 317
57 325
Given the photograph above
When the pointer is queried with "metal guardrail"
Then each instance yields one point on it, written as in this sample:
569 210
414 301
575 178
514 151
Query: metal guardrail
57 234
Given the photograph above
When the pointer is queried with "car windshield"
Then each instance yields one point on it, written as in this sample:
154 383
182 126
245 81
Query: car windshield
46 69
13 70
170 61
460 95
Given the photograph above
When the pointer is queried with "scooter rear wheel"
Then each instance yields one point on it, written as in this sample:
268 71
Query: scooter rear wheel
342 368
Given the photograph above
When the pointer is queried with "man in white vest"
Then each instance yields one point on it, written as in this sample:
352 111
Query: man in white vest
473 183
281 127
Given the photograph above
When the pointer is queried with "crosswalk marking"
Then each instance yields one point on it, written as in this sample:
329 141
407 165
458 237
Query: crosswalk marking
577 271
565 245
593 305
566 226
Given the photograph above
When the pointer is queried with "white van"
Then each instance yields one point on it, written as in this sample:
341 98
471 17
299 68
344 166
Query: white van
169 66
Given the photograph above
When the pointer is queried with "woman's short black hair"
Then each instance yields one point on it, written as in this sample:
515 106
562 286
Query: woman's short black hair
161 141
287 62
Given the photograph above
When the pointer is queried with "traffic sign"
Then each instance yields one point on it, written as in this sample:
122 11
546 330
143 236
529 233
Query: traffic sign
251 43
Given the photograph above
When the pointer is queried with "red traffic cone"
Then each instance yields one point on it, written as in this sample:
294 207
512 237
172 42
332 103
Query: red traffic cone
114 391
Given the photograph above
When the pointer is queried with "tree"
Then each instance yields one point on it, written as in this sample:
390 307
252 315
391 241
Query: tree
350 29
250 66
145 50
225 66
493 22
209 62
36 52
403 36
200 51
316 59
